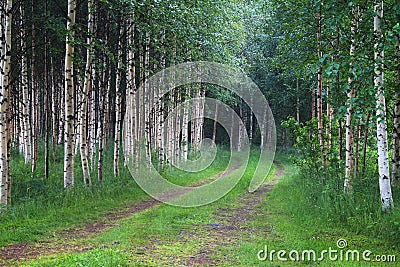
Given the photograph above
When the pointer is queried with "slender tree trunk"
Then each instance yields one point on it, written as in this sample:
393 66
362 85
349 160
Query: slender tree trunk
69 100
350 96
185 131
319 90
251 130
329 115
34 100
5 27
103 122
25 97
232 134
357 150
297 101
87 88
365 144
396 124
382 140
240 134
161 107
147 97
54 109
215 122
46 105
118 104
61 119
313 103
130 121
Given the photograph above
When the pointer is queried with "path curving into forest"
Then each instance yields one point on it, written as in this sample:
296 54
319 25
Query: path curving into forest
78 239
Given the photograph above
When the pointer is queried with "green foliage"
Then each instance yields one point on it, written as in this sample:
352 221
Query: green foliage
305 136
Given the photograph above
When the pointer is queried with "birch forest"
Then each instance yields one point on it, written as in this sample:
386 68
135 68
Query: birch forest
75 104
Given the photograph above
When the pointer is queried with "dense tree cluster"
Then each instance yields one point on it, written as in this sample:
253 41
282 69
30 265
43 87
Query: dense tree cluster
349 52
73 71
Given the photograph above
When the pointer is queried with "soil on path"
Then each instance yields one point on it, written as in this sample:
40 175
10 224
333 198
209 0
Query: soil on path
230 228
233 223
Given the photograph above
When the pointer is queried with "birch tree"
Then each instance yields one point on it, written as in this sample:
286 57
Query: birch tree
396 123
5 29
382 139
118 103
350 96
69 103
25 95
320 86
84 104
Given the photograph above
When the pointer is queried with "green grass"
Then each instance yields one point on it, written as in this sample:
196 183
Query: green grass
40 207
160 230
94 258
289 220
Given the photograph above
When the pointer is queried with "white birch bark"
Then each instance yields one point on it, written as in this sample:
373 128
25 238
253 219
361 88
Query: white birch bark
320 89
118 105
396 123
161 105
25 97
147 97
349 161
382 140
87 88
185 134
69 100
129 123
5 24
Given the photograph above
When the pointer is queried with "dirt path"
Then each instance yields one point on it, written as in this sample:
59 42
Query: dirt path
77 239
229 229
232 226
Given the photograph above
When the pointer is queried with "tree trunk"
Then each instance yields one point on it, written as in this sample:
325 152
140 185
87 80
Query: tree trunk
215 122
87 88
118 104
27 149
382 140
5 25
297 102
185 129
54 109
34 99
161 106
319 89
47 113
365 143
69 100
350 96
396 124
251 122
357 150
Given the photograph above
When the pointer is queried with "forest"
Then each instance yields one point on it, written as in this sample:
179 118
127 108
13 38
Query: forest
99 98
